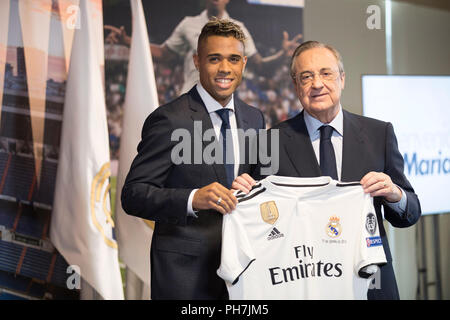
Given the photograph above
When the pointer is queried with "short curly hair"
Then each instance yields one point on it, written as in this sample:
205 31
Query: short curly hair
221 27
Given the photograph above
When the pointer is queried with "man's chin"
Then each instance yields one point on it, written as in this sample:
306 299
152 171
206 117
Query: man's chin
222 97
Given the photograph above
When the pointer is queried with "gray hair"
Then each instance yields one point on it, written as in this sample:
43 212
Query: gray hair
315 44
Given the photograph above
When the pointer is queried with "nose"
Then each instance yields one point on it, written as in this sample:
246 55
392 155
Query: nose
224 67
317 82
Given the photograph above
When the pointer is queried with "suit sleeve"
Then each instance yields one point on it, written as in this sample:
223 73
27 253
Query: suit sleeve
144 193
394 169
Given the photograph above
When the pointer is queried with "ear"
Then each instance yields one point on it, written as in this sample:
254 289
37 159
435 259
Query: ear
343 79
196 60
244 60
294 82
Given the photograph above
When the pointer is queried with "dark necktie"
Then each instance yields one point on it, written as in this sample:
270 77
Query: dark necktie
327 156
227 146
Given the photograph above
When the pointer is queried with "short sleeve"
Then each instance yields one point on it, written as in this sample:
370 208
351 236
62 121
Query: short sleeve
369 248
237 253
250 48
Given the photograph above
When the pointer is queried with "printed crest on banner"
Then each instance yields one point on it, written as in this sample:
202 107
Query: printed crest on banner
100 208
371 223
269 212
333 228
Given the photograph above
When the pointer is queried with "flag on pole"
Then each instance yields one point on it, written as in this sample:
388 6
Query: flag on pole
68 13
4 21
134 234
81 225
35 23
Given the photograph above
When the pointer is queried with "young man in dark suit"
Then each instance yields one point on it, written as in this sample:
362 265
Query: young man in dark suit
187 199
325 139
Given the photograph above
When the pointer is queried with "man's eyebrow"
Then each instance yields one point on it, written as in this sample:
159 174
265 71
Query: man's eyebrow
220 55
322 69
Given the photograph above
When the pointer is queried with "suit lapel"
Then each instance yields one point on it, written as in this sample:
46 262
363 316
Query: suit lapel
199 113
299 148
241 119
242 122
353 142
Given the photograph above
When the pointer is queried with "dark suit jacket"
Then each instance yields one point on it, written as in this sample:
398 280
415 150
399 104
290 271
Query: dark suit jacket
368 145
185 251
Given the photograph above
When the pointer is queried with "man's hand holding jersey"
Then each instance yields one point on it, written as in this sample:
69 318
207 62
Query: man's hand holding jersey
214 196
379 184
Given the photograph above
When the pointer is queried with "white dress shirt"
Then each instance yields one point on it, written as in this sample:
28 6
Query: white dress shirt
212 106
313 125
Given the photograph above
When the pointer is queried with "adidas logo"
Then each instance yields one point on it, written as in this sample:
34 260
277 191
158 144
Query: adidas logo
275 234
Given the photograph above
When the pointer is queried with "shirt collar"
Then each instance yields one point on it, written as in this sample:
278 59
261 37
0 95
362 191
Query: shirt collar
313 125
204 15
211 104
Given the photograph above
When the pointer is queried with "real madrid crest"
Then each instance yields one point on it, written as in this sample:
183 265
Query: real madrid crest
333 228
100 205
269 212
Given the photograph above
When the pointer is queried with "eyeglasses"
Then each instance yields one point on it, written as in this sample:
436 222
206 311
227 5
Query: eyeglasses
307 77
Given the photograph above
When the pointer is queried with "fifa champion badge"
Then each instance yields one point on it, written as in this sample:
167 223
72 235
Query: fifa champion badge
334 228
269 212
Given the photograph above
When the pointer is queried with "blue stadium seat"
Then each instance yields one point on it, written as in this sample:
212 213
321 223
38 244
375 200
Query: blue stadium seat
8 212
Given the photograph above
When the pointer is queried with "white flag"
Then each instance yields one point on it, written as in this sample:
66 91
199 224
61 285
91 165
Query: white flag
4 26
134 234
81 226
35 18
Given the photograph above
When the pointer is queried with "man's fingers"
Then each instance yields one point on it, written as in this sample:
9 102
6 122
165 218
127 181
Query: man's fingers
111 28
242 184
231 201
215 196
378 186
369 179
297 37
240 187
227 199
369 182
226 204
247 178
215 206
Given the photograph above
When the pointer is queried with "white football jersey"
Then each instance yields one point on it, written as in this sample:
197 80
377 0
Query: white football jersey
301 238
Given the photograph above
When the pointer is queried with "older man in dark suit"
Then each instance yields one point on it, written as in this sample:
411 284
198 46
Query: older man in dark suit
324 139
180 188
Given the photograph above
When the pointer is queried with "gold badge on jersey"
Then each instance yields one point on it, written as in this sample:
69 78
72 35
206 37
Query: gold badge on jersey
333 228
269 212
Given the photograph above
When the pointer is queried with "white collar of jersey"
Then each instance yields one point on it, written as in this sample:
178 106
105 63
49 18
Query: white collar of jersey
211 104
204 15
313 125
279 184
